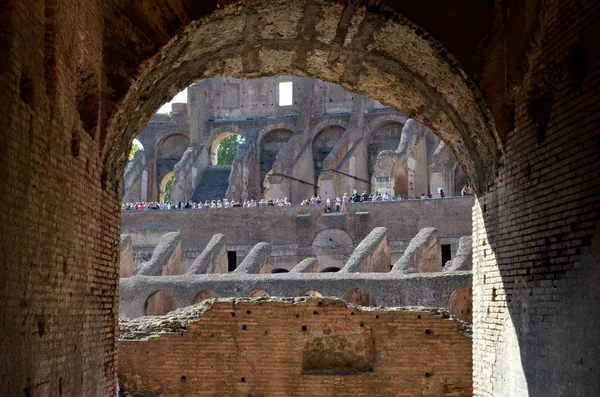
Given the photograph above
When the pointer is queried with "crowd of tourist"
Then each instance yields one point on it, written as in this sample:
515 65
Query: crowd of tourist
336 204
225 203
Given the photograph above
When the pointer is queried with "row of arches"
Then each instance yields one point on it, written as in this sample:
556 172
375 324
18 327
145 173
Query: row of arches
384 137
355 165
152 167
162 302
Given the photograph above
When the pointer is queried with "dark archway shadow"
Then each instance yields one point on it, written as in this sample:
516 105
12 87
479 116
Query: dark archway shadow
535 284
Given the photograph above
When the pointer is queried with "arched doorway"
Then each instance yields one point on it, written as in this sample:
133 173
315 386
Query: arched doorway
160 303
361 297
323 143
270 145
204 295
168 153
224 148
397 75
165 187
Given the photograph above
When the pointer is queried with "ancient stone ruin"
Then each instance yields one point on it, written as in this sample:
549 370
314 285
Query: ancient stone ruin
373 267
510 87
327 142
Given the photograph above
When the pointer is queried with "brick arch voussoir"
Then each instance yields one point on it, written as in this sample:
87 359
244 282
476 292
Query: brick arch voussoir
330 122
384 120
420 78
219 132
282 125
170 134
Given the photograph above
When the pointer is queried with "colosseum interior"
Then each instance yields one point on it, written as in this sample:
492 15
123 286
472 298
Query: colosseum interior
493 294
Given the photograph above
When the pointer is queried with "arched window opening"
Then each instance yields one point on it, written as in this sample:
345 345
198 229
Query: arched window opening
165 187
258 293
280 270
313 293
361 297
136 146
286 93
225 147
322 145
270 146
331 269
203 295
160 303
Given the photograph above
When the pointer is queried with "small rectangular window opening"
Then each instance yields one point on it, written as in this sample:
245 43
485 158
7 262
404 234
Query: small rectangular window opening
231 260
286 90
446 253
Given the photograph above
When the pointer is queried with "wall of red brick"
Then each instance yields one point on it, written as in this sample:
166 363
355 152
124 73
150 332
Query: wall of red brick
58 227
536 244
286 349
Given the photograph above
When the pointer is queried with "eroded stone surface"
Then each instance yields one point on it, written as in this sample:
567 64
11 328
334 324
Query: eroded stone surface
258 260
422 254
372 255
464 256
213 259
166 258
308 265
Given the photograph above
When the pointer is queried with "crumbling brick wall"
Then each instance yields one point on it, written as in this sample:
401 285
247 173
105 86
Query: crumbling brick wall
293 347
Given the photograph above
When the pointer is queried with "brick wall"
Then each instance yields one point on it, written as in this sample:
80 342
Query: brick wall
536 248
58 228
285 348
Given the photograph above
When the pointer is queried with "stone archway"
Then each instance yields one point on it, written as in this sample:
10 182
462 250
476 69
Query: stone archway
359 296
79 83
332 248
160 303
204 295
422 83
258 293
216 143
163 185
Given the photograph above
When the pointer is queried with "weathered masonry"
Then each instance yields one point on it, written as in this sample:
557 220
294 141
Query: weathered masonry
325 141
511 87
296 233
355 260
282 347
